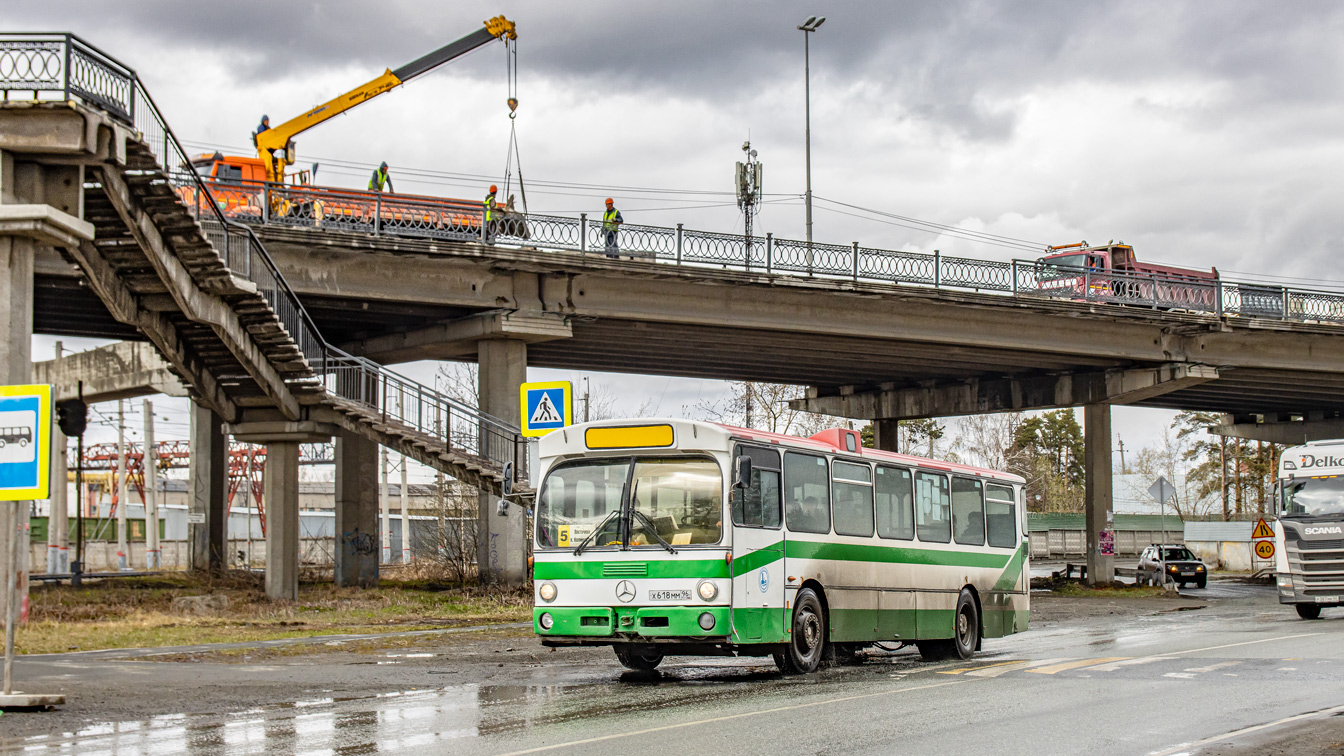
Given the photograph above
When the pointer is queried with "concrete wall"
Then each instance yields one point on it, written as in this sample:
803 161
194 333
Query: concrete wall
1052 543
1226 545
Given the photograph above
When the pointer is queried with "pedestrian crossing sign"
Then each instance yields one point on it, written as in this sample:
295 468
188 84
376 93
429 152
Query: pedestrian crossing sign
1262 530
546 407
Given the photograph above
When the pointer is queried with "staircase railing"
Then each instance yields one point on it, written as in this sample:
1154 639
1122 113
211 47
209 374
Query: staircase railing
66 64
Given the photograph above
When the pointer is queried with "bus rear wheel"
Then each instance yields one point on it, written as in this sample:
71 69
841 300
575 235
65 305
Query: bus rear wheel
638 659
807 642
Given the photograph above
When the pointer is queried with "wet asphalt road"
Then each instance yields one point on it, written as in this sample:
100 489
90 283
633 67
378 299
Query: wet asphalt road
1136 685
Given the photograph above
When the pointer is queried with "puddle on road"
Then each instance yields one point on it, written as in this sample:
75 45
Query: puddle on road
395 721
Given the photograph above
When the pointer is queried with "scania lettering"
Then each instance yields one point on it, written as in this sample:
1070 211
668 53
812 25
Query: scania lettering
671 537
1309 558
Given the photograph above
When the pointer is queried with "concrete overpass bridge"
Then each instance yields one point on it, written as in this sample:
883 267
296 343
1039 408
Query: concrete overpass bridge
875 334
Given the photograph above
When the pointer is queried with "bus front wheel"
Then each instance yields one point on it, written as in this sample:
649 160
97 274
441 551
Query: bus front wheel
640 660
965 633
807 641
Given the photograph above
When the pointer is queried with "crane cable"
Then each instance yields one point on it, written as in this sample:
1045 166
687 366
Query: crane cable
512 155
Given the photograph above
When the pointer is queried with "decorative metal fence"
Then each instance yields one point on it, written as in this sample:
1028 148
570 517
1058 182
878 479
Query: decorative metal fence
42 64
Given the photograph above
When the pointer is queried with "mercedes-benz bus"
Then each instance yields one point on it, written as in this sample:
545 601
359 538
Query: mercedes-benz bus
673 537
1309 541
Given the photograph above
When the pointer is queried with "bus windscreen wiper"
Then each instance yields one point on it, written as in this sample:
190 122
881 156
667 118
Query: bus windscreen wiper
600 526
652 531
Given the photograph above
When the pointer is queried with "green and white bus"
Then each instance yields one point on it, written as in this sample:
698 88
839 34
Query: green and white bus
672 537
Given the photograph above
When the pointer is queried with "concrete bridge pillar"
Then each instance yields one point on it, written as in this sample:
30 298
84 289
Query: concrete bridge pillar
356 511
501 545
281 492
58 508
884 435
206 516
1097 491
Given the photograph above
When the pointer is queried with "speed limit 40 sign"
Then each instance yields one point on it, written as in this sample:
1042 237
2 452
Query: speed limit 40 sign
1264 549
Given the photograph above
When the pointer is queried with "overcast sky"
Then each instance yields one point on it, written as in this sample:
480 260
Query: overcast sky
1206 134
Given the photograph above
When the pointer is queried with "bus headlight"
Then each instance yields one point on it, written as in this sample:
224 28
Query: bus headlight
547 591
707 590
546 620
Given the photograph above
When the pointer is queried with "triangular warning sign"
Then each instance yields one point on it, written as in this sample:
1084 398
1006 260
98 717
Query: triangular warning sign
545 413
1262 530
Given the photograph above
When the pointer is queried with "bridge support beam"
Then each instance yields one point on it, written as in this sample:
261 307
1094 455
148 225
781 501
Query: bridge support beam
281 492
1271 429
886 435
978 396
1097 492
206 514
356 511
501 541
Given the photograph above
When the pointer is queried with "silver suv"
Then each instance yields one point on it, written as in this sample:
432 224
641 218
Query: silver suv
1180 564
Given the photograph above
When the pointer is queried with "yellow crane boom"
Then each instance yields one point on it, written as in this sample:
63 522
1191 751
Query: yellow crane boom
275 146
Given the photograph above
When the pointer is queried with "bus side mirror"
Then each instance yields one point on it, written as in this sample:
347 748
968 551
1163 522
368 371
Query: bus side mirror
741 471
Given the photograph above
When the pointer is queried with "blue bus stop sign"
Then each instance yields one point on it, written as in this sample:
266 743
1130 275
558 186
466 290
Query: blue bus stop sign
25 442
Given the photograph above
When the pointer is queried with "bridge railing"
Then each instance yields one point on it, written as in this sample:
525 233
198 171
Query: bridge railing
65 66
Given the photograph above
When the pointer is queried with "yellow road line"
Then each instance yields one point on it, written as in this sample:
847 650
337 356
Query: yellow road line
1076 664
983 666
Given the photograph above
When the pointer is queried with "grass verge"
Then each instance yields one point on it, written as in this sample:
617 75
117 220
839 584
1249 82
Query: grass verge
1077 589
142 612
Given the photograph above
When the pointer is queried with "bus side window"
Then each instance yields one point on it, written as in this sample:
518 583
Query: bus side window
1000 516
933 516
757 505
853 499
968 512
807 493
895 519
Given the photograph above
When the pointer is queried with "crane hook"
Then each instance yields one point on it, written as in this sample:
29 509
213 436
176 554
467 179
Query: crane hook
513 104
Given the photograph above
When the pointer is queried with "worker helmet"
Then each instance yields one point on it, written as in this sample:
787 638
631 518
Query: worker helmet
493 188
609 200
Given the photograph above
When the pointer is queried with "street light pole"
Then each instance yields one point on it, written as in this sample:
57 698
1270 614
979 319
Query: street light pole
807 27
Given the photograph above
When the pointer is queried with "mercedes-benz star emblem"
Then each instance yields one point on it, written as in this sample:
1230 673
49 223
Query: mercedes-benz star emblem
625 591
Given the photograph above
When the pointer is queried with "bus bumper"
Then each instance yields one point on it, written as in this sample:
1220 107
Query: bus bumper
644 621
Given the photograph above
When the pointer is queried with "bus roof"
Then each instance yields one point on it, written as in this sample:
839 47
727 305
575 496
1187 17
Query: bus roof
720 435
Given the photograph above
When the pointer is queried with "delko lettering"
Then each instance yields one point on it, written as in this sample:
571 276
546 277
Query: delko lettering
1309 460
1323 530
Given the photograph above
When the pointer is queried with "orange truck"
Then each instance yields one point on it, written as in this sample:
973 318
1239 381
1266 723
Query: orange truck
262 189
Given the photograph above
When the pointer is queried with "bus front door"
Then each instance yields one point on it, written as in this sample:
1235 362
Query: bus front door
757 566
758 584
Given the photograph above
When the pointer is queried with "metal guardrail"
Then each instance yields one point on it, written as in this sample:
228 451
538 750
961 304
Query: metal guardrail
66 64
267 204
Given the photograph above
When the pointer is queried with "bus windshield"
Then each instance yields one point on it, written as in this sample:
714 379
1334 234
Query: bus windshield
677 501
1313 497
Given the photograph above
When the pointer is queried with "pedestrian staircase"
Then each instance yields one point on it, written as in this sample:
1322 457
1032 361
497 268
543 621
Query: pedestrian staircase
204 291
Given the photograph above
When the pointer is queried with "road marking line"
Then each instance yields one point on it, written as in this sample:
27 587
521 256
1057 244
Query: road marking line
969 670
989 673
1115 666
1076 664
729 717
1185 747
1212 667
1243 643
1180 675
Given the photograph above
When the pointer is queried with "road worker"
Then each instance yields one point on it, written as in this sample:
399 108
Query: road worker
611 223
265 125
381 179
491 214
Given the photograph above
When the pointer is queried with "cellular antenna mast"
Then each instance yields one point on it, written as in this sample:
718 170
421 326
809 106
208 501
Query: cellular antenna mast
749 191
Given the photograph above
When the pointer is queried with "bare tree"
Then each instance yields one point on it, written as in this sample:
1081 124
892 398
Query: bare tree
451 543
765 406
986 440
